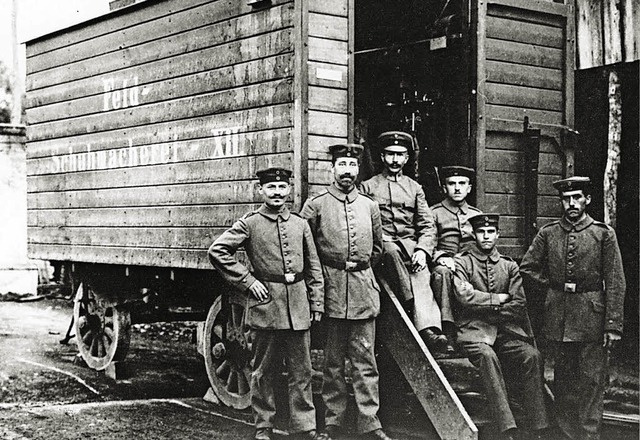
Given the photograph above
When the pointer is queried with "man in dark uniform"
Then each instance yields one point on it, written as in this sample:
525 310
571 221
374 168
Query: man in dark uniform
494 329
454 235
576 263
348 234
285 294
409 236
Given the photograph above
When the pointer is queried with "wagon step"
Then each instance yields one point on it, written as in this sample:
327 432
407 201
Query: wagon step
423 373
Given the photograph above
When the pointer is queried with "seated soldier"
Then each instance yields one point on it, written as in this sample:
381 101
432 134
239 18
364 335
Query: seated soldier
454 235
409 236
494 329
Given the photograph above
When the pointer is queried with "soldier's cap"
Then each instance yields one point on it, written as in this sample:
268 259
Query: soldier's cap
484 220
395 141
456 170
574 183
346 150
273 175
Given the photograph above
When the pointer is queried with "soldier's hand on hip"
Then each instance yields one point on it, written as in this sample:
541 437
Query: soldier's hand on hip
504 298
419 260
316 316
611 339
448 262
259 290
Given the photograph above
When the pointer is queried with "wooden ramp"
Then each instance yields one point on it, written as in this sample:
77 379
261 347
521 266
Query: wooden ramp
429 384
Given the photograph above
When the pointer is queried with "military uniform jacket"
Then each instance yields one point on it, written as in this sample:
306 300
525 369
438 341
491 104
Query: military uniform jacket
481 316
587 257
347 227
405 215
276 243
454 229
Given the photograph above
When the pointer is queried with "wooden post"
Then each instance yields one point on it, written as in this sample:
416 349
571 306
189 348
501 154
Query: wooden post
17 82
613 149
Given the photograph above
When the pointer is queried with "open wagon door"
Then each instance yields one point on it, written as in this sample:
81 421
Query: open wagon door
522 113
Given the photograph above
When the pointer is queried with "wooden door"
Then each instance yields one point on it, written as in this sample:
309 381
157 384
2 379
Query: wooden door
524 62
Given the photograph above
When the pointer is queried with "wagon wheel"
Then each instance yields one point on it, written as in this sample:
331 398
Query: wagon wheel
227 354
102 328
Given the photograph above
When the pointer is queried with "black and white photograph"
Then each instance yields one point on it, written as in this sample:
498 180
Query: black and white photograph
319 219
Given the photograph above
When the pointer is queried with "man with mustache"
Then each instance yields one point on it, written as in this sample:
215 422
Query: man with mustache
494 330
575 263
409 235
284 296
348 235
454 235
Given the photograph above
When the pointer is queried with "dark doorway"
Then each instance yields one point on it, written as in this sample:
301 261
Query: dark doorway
412 74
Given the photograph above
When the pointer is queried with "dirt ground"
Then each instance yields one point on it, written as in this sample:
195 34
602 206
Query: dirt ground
39 378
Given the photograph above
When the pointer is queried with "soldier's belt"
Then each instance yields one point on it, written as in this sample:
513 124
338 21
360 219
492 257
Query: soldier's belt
575 288
349 266
287 278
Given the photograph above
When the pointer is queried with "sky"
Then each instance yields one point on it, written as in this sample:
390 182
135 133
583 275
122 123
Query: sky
40 17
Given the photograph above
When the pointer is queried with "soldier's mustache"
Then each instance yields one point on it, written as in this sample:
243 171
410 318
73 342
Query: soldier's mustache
350 176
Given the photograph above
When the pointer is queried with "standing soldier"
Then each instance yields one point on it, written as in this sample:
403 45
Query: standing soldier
285 294
454 235
576 262
409 236
348 233
494 329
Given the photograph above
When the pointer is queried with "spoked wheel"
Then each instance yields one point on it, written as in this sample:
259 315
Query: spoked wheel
102 328
227 354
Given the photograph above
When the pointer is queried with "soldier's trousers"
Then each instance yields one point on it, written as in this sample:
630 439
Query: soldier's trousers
580 377
269 348
407 286
353 339
442 286
519 364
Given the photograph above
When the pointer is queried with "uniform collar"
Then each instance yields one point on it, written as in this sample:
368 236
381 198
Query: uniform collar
451 206
272 214
385 173
494 256
350 197
582 224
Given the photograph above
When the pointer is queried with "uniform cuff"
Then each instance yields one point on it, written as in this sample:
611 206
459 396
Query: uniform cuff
246 282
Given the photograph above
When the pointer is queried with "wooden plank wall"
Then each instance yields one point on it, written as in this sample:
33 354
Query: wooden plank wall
146 128
329 78
608 32
524 76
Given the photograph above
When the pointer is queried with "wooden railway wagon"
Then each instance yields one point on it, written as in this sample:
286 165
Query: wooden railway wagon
146 127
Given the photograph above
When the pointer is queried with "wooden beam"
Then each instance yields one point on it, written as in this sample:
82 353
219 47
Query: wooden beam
430 386
536 6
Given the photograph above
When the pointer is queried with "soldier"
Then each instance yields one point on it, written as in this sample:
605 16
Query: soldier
454 235
576 262
348 233
494 329
285 294
409 236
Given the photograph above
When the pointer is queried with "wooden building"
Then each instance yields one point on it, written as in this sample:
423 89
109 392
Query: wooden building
146 126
